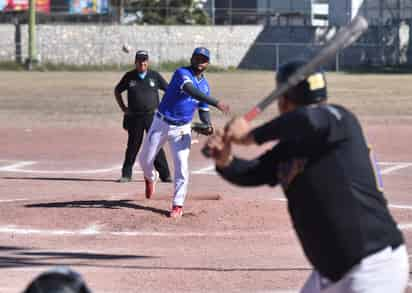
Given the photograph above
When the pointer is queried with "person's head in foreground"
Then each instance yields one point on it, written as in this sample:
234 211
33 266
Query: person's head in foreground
58 280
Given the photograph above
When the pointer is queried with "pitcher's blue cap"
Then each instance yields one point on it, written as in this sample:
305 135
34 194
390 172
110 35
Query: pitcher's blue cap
202 51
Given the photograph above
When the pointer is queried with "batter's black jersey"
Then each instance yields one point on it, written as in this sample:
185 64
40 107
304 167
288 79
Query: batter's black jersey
142 94
331 182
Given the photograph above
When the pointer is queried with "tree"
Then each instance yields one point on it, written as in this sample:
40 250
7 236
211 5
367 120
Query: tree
170 12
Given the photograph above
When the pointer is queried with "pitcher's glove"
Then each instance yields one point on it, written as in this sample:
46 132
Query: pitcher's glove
202 128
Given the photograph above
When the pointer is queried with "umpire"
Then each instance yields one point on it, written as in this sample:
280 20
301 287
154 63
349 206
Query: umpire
142 87
332 185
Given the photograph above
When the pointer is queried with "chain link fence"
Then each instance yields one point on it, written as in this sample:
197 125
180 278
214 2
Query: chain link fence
387 42
267 56
231 13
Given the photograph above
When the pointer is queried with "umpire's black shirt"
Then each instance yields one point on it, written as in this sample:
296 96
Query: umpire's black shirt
142 93
329 177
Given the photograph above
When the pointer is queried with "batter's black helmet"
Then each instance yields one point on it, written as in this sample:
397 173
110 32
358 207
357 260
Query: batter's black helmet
309 91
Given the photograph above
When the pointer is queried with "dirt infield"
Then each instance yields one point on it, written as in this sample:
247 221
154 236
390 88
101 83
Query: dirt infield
60 154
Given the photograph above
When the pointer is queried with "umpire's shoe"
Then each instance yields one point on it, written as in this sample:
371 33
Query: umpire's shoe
167 179
124 179
150 185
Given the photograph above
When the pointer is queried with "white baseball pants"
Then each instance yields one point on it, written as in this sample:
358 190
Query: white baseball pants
179 139
386 271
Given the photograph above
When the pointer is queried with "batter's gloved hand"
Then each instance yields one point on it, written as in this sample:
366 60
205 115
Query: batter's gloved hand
202 128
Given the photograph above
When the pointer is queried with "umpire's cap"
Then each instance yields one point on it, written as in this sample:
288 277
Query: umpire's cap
142 55
311 90
58 280
202 51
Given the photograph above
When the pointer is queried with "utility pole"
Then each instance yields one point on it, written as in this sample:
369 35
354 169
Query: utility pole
380 33
212 10
230 12
32 58
167 10
397 38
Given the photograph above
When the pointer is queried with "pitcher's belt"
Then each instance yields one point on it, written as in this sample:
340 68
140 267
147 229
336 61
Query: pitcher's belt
169 121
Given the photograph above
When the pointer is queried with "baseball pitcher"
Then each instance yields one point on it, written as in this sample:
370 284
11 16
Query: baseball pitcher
187 92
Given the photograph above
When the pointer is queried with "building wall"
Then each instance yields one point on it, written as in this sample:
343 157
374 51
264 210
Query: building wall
377 12
236 4
286 6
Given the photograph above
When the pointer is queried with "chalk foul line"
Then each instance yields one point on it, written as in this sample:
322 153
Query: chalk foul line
19 167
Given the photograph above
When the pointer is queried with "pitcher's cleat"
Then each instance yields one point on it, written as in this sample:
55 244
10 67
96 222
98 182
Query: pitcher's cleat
176 212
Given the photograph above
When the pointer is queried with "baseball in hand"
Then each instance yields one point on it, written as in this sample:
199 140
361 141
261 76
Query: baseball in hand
126 48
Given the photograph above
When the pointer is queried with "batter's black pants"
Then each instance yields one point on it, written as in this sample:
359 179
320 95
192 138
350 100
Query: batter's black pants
136 125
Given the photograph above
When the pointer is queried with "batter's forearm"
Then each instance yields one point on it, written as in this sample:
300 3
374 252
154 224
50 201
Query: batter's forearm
248 139
244 172
295 124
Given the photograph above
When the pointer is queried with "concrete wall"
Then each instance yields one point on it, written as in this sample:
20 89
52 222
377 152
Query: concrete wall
101 44
260 47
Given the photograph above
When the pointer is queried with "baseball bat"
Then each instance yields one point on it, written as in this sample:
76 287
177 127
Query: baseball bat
346 36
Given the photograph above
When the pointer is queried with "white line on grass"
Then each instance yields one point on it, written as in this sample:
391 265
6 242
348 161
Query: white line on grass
13 200
394 206
406 226
395 168
95 231
393 163
400 206
209 170
16 166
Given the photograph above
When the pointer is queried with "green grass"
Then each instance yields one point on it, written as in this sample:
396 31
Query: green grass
11 66
164 67
401 69
170 66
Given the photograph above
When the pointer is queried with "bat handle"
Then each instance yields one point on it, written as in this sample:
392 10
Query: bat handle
249 116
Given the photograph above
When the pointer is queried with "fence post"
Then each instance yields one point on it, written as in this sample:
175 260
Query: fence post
277 55
17 40
337 65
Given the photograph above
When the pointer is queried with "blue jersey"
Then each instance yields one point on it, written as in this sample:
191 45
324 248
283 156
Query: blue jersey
178 106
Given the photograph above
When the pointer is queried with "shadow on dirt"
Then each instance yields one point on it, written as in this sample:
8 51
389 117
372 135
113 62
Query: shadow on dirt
10 248
65 179
105 204
22 257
